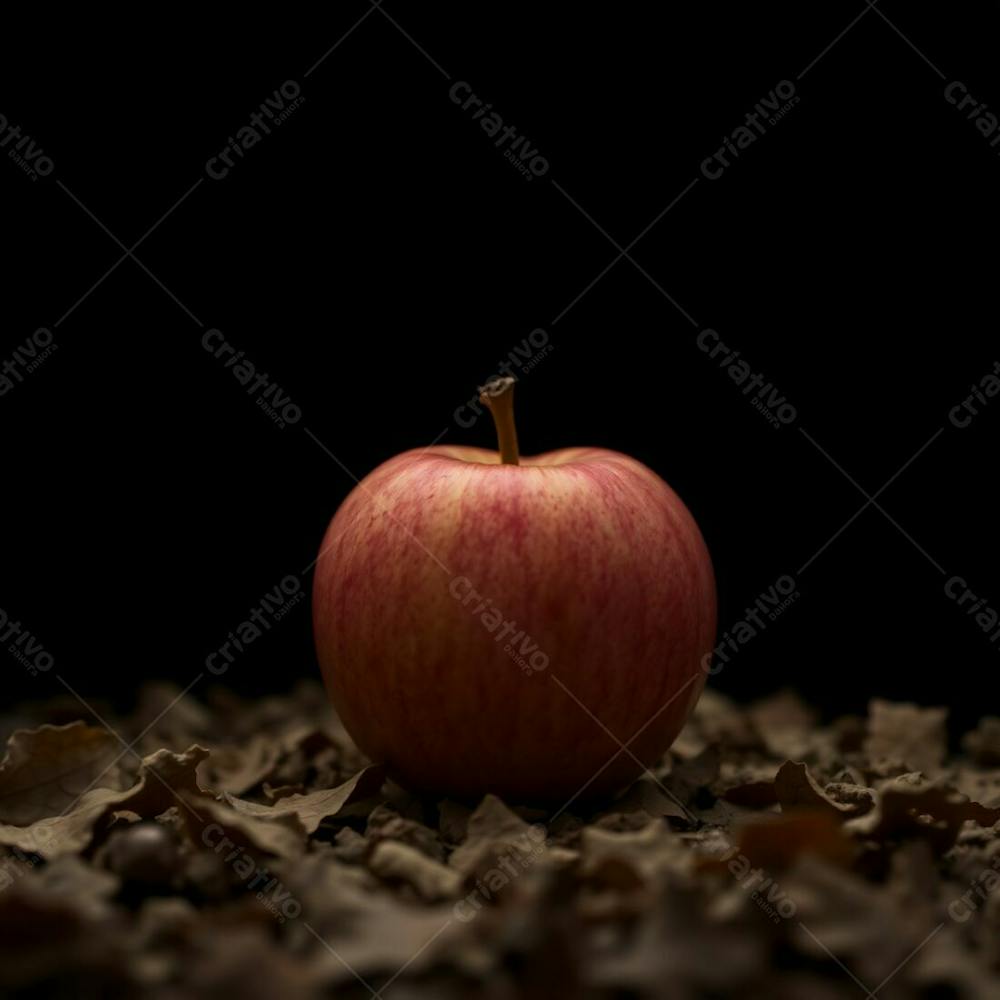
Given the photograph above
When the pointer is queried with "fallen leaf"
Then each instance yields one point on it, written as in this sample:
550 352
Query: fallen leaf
397 862
209 823
162 778
55 836
369 931
839 914
906 733
628 860
46 770
237 769
494 831
679 951
933 812
384 824
795 788
981 786
310 810
787 726
651 799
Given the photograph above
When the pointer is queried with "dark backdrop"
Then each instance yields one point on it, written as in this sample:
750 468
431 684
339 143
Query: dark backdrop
377 255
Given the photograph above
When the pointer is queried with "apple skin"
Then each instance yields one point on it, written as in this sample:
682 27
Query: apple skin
588 551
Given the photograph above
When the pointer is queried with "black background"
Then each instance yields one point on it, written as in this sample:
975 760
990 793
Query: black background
378 256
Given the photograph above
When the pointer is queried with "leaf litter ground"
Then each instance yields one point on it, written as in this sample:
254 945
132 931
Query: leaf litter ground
247 847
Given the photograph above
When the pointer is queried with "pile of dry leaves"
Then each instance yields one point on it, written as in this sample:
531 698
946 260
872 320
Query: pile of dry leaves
247 847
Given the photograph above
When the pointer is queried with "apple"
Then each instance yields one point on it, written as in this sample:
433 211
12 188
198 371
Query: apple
492 623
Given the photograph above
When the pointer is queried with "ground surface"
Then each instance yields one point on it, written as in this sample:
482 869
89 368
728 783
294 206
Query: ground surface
246 848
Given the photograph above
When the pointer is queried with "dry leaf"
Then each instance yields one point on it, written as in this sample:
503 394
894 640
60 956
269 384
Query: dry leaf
626 860
162 777
932 812
310 810
46 770
787 727
57 835
494 831
209 823
795 788
398 862
384 824
648 799
238 769
907 734
370 930
679 951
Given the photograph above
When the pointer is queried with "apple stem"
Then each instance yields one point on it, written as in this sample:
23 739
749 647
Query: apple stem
498 396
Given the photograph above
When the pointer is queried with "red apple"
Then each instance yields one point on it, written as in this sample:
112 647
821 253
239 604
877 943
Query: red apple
484 623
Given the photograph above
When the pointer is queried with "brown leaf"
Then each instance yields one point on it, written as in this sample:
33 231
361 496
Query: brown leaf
385 824
208 822
240 961
933 811
166 779
494 830
274 792
716 719
237 769
857 799
981 786
840 913
786 725
906 733
946 967
55 836
46 770
795 788
397 862
370 931
162 775
647 798
628 860
310 810
678 951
